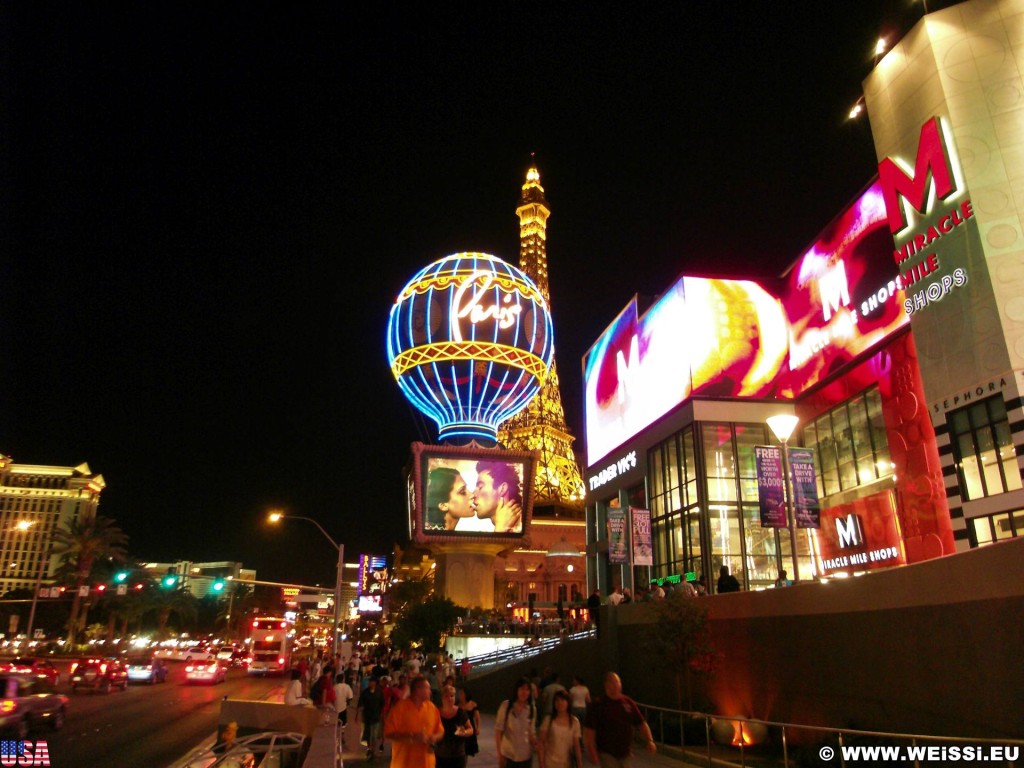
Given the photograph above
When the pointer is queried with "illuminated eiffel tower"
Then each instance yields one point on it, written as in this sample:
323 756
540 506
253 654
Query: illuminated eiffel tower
541 425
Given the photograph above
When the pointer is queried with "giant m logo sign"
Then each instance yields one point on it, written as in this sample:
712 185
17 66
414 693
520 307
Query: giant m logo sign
850 530
934 162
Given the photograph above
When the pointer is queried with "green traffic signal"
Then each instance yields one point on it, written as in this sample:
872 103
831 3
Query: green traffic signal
121 576
169 581
218 585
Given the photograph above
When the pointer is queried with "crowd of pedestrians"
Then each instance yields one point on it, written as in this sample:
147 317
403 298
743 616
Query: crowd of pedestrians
431 720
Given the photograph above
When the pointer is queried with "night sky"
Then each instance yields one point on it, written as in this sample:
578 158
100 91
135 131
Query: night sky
207 211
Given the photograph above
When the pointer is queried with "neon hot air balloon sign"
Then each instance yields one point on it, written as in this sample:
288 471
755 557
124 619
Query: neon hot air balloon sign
470 343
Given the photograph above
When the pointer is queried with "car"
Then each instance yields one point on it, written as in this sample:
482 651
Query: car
99 673
26 701
232 656
30 665
188 653
213 671
146 668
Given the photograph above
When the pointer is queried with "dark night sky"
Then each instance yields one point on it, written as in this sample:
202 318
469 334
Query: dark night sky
207 211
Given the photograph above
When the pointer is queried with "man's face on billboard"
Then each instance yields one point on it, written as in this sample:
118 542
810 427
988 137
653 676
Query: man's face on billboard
485 496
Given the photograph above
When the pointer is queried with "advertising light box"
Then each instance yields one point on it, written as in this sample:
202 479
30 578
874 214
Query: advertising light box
471 493
861 535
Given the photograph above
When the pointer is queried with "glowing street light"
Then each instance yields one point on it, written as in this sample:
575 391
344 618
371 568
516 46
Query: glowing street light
44 556
276 517
782 426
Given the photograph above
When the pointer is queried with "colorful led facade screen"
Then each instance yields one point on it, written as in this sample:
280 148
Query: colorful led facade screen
481 494
732 338
843 296
715 337
469 342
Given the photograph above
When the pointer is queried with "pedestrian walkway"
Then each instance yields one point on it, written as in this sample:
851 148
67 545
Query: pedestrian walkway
321 753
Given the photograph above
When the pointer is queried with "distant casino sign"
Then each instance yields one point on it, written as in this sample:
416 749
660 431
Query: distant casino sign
470 342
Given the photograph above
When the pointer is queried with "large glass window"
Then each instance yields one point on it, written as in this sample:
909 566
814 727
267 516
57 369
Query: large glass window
997 527
986 460
675 523
850 444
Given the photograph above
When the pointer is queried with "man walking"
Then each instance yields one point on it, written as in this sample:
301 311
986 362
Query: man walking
414 727
369 711
610 721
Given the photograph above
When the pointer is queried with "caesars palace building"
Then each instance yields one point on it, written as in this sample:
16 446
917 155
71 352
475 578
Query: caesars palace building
897 339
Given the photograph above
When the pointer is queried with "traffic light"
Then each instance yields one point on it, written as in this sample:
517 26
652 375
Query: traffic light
218 585
169 581
121 577
101 587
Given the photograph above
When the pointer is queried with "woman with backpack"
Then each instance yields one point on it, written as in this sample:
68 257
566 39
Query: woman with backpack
515 727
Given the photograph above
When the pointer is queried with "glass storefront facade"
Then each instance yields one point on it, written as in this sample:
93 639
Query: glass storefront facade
710 466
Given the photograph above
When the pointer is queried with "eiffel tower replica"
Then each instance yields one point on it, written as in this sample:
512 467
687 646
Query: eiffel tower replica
558 484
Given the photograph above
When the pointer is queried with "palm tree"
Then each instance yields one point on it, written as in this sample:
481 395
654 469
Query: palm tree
82 543
180 602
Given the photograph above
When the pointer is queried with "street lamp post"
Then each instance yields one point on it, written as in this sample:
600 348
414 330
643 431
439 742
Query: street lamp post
782 427
277 516
44 556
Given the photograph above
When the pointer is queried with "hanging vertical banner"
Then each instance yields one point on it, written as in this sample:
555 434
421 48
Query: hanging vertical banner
617 536
640 520
771 492
806 509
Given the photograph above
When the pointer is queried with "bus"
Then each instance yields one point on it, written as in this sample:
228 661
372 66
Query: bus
271 648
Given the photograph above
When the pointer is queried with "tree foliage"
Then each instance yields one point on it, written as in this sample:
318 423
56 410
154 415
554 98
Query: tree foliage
408 593
427 623
82 543
681 639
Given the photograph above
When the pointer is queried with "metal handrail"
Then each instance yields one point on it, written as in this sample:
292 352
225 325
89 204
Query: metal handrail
507 656
656 718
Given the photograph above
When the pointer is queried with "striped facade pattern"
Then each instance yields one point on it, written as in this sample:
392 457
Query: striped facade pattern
961 528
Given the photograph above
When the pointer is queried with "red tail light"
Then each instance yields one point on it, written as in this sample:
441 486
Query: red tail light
7 706
103 669
74 667
280 662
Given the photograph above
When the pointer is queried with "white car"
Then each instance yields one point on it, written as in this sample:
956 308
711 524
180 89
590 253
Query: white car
213 672
191 653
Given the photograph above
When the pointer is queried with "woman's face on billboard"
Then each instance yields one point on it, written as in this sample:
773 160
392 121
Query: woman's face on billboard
458 502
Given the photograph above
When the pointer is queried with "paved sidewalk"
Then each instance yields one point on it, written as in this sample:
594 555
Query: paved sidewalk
321 753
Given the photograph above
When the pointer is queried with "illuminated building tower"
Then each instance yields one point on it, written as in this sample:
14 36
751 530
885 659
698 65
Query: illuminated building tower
541 425
34 502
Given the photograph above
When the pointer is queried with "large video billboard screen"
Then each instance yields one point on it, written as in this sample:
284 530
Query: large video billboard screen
703 336
843 296
470 492
732 338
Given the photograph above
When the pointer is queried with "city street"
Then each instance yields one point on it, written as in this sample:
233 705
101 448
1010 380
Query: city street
147 725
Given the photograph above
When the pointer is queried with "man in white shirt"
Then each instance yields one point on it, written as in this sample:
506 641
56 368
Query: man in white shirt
293 693
615 597
343 695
